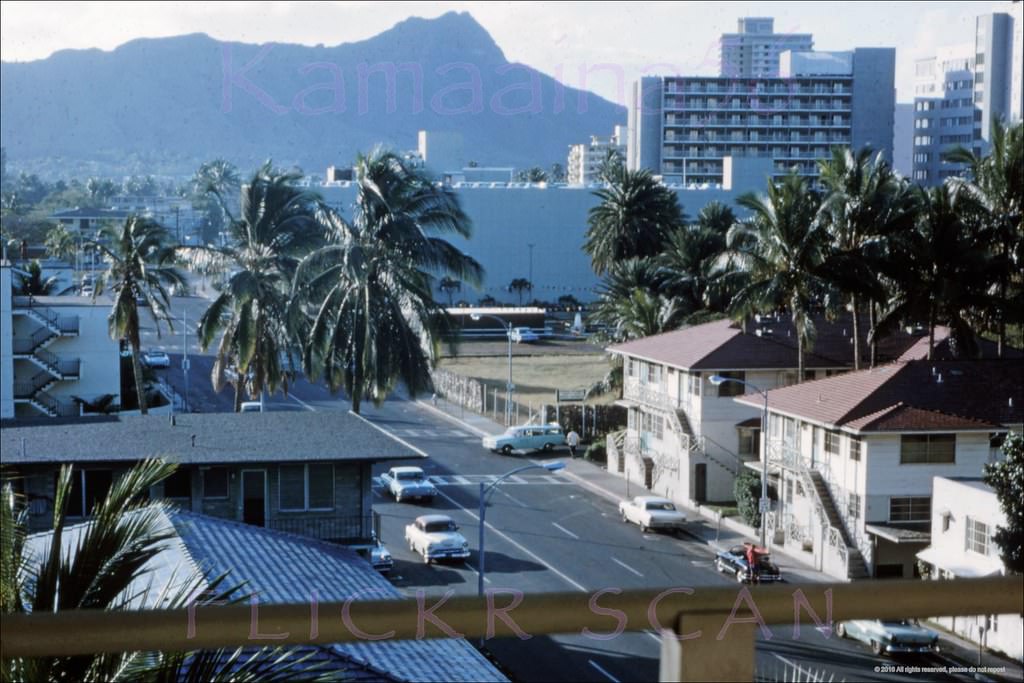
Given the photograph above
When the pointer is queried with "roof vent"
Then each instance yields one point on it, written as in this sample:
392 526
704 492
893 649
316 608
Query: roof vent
172 420
193 441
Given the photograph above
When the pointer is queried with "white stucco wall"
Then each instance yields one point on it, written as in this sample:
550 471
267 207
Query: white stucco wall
6 357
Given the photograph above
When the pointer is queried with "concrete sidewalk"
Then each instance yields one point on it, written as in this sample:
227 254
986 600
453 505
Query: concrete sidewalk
719 534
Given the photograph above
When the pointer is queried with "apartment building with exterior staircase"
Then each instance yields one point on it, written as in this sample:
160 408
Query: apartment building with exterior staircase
853 457
687 439
51 350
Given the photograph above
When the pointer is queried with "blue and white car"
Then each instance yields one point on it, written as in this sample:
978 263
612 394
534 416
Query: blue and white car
524 335
406 483
436 537
526 438
890 637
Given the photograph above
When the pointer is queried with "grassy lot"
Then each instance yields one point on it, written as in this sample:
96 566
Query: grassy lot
536 377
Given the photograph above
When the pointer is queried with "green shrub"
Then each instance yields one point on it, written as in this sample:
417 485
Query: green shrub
596 452
747 490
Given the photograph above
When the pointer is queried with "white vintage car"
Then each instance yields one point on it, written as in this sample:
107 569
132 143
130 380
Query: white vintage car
651 512
436 537
405 483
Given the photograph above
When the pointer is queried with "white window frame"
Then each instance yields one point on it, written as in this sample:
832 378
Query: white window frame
972 535
305 488
926 516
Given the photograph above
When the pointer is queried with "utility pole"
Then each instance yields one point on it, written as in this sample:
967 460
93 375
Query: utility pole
185 361
531 246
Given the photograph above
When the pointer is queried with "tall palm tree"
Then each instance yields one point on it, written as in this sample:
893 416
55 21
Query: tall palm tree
372 315
634 218
520 285
615 295
779 251
110 555
940 270
996 183
34 284
688 261
865 203
60 243
140 267
278 225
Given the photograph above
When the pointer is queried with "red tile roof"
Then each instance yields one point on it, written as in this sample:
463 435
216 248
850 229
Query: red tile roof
722 345
916 395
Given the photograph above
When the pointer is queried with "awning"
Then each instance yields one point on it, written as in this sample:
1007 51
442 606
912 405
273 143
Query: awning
900 534
963 565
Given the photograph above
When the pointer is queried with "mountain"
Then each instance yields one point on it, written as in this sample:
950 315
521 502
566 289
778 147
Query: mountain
172 103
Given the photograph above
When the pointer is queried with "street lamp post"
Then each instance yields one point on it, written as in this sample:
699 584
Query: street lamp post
485 491
762 507
531 246
508 385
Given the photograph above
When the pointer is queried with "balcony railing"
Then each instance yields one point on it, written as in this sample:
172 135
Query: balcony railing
340 529
701 639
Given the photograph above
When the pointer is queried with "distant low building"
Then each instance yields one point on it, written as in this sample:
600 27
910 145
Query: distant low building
965 513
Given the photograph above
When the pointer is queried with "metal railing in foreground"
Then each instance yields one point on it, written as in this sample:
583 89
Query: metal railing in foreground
707 633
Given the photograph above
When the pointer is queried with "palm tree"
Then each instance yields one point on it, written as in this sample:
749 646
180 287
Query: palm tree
449 285
635 217
278 225
940 270
865 204
140 259
779 251
615 294
688 261
995 185
110 555
372 315
60 243
33 283
520 285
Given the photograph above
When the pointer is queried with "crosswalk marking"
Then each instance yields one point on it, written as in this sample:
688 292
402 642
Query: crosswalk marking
476 479
439 433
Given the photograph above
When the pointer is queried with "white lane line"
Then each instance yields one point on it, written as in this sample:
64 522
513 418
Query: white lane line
461 423
811 675
473 569
459 479
564 530
520 546
301 402
400 440
626 567
601 669
514 500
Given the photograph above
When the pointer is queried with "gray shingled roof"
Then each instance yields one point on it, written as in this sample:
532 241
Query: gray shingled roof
218 438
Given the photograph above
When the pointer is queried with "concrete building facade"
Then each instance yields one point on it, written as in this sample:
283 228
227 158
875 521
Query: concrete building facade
584 162
681 127
754 50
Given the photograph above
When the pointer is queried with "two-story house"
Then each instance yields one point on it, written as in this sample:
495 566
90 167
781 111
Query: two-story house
53 348
965 515
687 439
853 457
301 472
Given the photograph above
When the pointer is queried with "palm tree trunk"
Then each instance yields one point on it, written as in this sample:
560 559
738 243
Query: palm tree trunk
137 371
238 394
799 356
855 306
931 330
873 321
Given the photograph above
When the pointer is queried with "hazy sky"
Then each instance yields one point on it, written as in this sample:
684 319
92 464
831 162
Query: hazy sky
560 39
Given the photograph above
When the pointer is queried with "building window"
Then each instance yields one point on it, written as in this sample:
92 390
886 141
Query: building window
910 509
853 506
695 379
215 482
306 487
749 441
631 368
832 440
977 536
918 449
179 484
653 424
856 446
88 487
726 389
789 490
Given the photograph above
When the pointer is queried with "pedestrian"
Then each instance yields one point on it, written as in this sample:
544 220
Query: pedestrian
573 439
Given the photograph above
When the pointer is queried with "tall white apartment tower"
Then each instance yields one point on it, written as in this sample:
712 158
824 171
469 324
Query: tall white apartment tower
959 91
753 51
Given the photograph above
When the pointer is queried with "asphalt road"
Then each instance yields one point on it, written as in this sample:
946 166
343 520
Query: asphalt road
544 533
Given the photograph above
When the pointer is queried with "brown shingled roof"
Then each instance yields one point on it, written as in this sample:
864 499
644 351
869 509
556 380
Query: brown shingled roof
909 396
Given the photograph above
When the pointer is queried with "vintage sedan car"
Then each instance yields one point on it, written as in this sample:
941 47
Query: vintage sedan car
734 561
407 483
524 335
526 437
651 512
436 537
156 359
901 636
380 557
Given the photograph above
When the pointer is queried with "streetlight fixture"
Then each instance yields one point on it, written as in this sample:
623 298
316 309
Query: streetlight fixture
717 380
508 385
485 491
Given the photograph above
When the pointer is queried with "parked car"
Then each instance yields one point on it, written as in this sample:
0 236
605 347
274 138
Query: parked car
250 407
651 512
890 637
156 359
405 483
524 335
380 557
734 561
526 437
436 537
